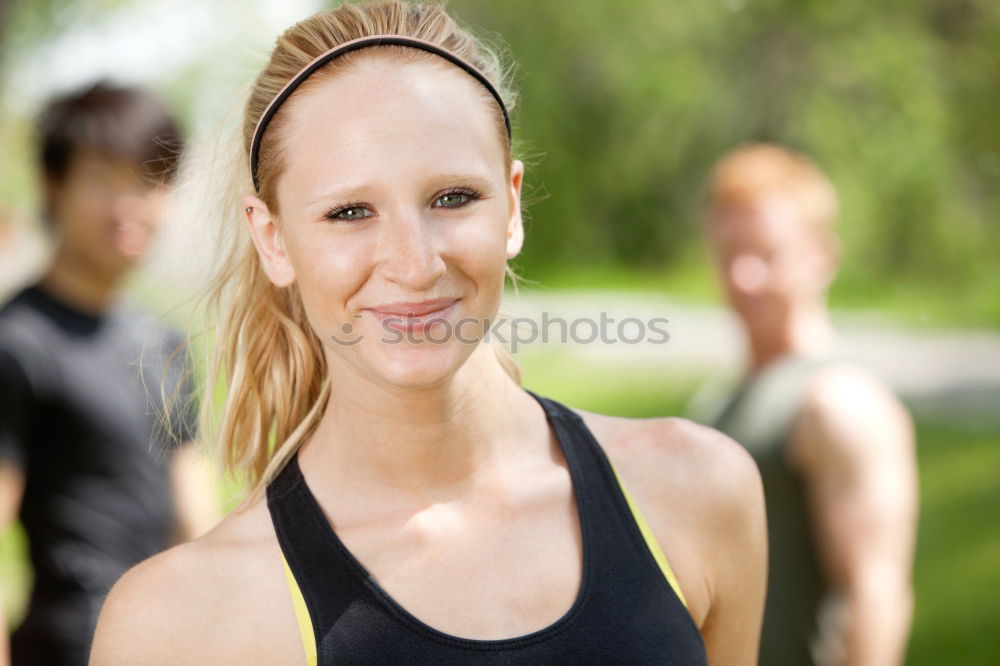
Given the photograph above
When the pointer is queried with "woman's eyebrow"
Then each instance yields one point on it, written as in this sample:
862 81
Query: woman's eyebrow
353 192
341 194
470 177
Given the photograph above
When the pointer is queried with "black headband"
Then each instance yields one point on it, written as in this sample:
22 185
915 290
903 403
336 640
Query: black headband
347 47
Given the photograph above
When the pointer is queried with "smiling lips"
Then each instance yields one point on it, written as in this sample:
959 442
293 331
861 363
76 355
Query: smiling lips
413 317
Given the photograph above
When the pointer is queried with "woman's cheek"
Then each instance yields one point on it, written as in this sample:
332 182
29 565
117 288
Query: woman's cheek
482 248
329 270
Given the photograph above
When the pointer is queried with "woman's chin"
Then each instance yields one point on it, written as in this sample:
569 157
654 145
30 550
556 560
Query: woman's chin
419 366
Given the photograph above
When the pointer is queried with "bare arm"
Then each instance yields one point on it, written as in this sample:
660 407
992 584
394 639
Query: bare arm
196 501
702 495
735 539
854 444
11 490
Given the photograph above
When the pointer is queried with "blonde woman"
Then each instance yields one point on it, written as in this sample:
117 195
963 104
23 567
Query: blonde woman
411 502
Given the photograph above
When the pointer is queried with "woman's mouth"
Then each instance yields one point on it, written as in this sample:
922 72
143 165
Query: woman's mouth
414 317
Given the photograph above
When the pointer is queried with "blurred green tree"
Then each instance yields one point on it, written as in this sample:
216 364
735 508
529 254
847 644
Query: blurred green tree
625 106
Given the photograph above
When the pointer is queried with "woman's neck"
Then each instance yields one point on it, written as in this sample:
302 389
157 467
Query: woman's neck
427 442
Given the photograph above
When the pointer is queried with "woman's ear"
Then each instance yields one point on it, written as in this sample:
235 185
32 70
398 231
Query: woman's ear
268 241
515 225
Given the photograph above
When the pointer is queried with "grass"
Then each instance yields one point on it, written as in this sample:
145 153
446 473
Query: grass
956 575
958 552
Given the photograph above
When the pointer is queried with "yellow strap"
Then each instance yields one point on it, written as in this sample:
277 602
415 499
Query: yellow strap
651 542
301 614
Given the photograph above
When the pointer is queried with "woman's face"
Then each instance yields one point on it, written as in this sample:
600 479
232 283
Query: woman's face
397 215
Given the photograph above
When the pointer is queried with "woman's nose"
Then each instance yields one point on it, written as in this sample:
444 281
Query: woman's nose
410 255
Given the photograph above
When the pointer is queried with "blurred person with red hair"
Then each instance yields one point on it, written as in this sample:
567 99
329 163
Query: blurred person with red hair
835 447
98 479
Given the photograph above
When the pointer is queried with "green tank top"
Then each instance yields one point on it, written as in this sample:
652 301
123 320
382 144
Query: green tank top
760 415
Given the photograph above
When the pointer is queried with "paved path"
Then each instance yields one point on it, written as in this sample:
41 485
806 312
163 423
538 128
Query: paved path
949 373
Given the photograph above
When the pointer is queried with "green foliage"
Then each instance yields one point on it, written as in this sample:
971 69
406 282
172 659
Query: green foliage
625 107
629 104
27 22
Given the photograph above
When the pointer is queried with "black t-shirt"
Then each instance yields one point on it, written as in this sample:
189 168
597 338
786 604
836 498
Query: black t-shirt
81 413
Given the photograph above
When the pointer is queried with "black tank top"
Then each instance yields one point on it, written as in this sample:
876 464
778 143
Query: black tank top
626 610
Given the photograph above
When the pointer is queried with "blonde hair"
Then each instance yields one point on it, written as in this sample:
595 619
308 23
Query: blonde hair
266 357
753 171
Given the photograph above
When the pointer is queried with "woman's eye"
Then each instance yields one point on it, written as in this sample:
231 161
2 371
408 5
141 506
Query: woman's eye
349 213
454 199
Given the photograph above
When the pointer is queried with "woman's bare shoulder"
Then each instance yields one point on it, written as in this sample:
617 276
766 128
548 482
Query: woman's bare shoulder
676 455
194 603
699 490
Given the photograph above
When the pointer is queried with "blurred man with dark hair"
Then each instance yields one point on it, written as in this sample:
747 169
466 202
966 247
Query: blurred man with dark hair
99 475
834 446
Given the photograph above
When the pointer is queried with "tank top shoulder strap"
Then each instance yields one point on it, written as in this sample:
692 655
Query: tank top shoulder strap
597 467
621 554
288 481
302 618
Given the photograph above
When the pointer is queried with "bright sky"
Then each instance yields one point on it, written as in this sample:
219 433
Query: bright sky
152 41
205 49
